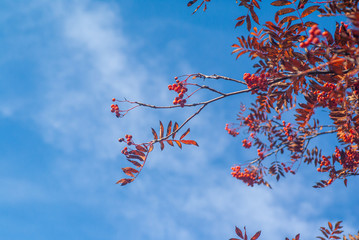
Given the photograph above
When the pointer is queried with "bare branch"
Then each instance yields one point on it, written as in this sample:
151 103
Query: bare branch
215 76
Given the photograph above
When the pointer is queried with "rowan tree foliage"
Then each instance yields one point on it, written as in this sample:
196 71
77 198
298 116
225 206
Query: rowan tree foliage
301 67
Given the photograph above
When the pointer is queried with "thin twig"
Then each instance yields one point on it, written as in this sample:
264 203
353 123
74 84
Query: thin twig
215 76
207 87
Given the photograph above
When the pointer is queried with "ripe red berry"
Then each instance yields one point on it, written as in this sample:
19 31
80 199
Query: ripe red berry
317 32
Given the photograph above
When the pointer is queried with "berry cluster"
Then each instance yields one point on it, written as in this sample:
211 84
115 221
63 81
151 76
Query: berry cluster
128 139
325 165
250 177
350 137
252 123
314 32
350 160
326 98
337 153
232 132
288 131
179 87
115 109
260 154
254 81
129 143
246 143
125 151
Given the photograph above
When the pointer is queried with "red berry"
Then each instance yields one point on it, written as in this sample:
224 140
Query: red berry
317 32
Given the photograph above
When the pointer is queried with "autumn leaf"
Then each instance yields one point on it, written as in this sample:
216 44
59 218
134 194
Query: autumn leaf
309 10
137 164
154 134
256 235
190 3
124 181
285 11
169 128
178 143
129 171
281 3
140 148
184 134
175 127
161 130
239 232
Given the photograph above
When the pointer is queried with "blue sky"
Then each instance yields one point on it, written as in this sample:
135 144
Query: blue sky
63 61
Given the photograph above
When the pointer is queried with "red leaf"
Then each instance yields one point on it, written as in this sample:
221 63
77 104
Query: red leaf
249 25
256 235
285 11
129 171
330 226
140 148
254 16
136 152
169 128
154 134
256 4
190 3
185 134
239 232
137 164
124 181
297 237
190 142
141 158
161 130
241 53
239 23
178 143
289 18
151 148
175 127
281 3
337 225
170 142
309 10
162 145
